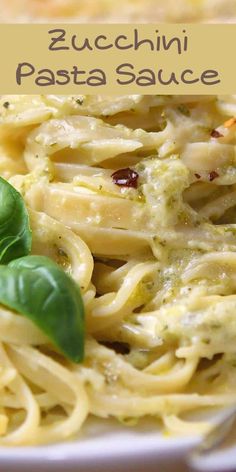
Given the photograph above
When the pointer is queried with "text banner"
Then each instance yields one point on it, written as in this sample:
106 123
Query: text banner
117 59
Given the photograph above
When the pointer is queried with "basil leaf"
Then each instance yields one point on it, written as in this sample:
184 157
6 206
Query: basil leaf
39 289
15 233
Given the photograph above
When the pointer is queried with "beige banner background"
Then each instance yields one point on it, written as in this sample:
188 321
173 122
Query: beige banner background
209 47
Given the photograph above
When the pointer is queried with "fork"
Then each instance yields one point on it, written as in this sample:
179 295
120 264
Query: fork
212 441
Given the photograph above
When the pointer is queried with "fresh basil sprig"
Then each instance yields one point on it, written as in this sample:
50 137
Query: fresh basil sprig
15 233
35 286
39 289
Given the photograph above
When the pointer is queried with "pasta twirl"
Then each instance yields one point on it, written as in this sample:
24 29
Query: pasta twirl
155 259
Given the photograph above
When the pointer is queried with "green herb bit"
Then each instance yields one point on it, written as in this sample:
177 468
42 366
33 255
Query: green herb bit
79 101
184 110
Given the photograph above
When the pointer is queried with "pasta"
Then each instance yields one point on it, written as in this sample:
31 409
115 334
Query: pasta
134 197
126 10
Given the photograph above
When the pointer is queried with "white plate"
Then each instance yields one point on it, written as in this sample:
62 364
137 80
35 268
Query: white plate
110 447
104 447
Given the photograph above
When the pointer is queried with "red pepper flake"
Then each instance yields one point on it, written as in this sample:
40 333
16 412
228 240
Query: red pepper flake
197 176
230 122
216 134
213 175
125 178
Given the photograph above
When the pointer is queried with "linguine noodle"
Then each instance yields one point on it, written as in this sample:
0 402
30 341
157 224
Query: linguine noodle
156 260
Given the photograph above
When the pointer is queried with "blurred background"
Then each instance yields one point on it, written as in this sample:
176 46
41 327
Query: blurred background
118 10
